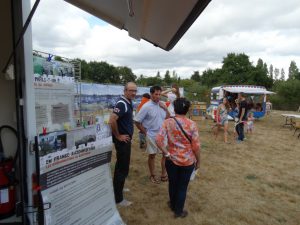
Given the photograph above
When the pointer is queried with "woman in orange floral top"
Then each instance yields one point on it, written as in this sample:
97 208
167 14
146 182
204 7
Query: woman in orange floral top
183 155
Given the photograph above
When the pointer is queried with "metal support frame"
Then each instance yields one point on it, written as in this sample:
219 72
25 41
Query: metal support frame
16 44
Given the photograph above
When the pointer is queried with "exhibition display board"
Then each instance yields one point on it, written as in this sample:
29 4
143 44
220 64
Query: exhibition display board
74 150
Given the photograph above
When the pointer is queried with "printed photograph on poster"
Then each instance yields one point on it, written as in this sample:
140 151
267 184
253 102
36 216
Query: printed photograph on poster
60 113
54 105
83 137
52 142
47 69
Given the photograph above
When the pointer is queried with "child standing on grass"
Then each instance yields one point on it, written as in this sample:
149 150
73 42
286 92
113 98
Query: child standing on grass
250 123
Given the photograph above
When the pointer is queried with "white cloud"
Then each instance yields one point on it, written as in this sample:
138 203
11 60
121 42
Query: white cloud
268 29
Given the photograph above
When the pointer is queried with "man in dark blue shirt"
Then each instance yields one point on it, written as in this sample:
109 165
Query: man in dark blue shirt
121 122
242 117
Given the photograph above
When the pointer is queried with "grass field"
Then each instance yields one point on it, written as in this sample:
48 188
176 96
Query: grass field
256 182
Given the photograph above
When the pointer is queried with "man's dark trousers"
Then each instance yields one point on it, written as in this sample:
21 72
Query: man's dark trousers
240 131
123 151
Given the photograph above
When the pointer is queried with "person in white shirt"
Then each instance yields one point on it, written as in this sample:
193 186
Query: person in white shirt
149 121
268 107
172 94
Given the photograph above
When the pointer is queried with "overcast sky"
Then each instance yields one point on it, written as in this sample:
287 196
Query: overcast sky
266 29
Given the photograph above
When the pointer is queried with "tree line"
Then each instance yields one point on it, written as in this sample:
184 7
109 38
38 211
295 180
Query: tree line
236 69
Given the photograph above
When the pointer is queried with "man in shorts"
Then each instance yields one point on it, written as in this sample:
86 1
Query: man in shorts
149 121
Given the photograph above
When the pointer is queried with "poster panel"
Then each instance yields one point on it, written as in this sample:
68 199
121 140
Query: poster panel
54 106
75 177
75 148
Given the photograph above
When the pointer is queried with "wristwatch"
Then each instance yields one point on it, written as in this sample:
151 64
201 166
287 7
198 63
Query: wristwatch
167 155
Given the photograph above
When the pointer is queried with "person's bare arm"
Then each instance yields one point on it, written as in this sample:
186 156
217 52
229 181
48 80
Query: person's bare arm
195 143
114 128
140 127
165 92
197 155
218 115
164 107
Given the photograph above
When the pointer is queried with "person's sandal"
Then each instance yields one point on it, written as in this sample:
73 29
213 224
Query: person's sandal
154 180
164 178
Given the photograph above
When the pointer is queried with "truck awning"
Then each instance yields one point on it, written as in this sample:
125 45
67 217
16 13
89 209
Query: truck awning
160 22
247 89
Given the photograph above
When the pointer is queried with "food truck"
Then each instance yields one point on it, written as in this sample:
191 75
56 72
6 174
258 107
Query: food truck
256 97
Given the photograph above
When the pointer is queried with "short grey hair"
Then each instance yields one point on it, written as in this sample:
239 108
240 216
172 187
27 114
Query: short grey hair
127 84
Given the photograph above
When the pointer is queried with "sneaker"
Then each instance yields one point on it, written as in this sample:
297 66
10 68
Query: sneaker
126 190
181 215
238 141
124 203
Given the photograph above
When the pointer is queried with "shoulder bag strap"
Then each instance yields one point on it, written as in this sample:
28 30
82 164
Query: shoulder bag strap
185 134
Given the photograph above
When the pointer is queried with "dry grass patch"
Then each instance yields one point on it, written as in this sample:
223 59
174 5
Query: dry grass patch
256 182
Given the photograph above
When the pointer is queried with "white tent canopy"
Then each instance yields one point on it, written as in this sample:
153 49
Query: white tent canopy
247 89
161 22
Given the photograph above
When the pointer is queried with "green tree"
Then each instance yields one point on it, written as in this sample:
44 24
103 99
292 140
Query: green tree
158 75
142 81
282 74
167 79
260 63
259 75
58 58
174 76
126 74
236 68
102 72
287 95
276 73
178 80
186 83
271 72
196 76
212 78
293 71
150 81
298 76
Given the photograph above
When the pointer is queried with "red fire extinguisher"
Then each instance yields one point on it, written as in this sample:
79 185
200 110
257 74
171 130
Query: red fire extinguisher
7 179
